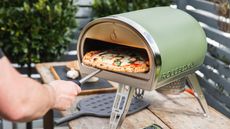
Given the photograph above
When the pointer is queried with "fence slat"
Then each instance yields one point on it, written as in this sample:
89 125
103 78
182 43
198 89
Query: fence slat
73 46
83 22
84 12
84 6
216 104
217 64
217 36
213 91
208 73
204 5
219 53
83 3
211 21
181 4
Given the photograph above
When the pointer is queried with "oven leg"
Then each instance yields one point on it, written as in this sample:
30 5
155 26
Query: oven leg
194 84
124 94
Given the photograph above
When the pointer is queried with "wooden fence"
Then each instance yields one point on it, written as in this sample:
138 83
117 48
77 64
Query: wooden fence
215 73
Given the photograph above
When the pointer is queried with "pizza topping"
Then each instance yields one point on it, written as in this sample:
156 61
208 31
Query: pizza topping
132 59
125 61
117 60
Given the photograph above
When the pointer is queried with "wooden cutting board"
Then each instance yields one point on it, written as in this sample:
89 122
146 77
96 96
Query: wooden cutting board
101 86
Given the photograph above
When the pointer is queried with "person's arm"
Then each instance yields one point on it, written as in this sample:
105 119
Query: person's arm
23 99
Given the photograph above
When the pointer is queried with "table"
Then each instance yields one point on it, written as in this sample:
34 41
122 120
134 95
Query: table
180 111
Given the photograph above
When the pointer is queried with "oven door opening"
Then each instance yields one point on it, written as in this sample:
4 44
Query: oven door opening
94 44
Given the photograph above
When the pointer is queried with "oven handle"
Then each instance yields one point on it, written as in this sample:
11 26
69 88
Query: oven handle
84 79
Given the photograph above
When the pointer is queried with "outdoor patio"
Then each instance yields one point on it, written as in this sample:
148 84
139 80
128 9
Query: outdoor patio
213 74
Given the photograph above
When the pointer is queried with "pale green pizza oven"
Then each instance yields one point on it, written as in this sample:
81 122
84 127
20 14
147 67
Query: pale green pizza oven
173 40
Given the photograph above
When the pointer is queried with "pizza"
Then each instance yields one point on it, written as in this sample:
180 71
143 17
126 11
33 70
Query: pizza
118 60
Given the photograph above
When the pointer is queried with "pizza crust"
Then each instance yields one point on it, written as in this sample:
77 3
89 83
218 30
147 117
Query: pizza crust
117 61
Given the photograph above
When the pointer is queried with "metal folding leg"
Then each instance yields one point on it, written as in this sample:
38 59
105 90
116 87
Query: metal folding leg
124 93
194 84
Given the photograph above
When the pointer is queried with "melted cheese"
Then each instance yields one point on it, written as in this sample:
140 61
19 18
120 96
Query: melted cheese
125 61
111 58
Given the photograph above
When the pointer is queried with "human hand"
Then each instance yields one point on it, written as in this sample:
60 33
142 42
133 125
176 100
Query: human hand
64 93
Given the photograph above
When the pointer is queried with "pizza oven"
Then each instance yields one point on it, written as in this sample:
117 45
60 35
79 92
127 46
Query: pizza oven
173 41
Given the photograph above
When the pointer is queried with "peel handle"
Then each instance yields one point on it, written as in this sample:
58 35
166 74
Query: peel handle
68 118
84 79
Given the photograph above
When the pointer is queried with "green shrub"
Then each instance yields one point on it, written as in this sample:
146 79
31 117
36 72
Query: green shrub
35 30
108 7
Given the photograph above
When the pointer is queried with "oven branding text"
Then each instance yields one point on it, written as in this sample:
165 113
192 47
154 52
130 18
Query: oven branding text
177 71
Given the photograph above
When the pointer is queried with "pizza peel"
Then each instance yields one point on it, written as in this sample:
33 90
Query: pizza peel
100 106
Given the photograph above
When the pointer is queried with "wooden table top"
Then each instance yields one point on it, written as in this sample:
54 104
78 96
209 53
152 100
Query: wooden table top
180 111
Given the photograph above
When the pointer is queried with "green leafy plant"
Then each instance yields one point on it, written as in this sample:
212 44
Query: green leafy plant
36 30
108 7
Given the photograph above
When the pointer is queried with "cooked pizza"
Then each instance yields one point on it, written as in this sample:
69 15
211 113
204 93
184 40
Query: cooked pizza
118 60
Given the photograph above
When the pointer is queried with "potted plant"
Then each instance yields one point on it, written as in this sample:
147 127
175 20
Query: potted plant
33 31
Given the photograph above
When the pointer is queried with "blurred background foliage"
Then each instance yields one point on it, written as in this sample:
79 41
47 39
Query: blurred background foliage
35 30
223 7
109 7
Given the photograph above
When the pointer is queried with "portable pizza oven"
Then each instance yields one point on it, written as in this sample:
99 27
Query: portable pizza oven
173 41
